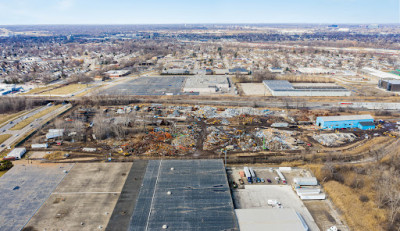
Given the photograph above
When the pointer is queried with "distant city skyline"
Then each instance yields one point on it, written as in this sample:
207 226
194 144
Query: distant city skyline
191 12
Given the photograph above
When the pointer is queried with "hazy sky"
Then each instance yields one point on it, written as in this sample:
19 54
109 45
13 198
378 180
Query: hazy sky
197 11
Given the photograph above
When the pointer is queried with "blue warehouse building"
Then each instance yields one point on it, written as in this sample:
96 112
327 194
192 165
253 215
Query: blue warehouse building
363 122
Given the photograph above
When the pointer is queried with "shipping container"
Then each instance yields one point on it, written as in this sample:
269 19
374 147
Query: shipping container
308 181
253 174
248 175
283 179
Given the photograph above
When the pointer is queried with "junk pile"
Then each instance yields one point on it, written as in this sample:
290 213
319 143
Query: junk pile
334 139
224 137
274 139
212 112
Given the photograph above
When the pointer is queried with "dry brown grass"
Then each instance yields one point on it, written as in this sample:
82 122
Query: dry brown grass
68 89
7 117
4 137
359 215
55 156
29 120
39 90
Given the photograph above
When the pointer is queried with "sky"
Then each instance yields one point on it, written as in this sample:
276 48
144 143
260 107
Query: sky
14 12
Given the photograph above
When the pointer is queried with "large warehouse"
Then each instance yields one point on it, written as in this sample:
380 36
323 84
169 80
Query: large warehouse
206 84
184 195
363 122
389 84
285 88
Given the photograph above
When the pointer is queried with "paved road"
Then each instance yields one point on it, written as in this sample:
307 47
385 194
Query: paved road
32 126
11 124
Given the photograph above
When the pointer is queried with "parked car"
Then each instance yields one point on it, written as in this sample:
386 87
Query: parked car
262 180
241 181
234 184
269 181
258 180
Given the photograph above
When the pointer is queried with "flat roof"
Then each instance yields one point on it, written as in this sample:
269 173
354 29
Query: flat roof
206 81
269 219
278 84
24 189
284 85
199 197
367 124
346 117
392 81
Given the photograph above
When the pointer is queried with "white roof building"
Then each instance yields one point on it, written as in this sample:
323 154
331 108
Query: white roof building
347 117
283 219
17 153
378 74
207 84
54 133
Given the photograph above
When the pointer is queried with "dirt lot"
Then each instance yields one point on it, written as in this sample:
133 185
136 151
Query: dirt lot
257 89
84 200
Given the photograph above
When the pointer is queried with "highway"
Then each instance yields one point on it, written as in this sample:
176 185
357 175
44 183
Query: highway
11 124
17 134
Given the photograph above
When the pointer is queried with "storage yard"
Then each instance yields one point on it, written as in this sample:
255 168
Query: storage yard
153 130
146 195
283 193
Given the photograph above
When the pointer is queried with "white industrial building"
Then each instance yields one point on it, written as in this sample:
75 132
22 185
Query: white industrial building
285 88
45 145
378 74
302 181
206 84
17 153
117 73
54 133
315 70
283 219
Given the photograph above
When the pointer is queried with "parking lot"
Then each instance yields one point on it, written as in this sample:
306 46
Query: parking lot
319 214
148 86
84 200
257 196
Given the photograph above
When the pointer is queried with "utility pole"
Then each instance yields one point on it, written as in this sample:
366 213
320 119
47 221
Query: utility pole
225 157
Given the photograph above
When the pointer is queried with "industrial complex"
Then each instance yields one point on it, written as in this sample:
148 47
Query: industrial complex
207 84
156 195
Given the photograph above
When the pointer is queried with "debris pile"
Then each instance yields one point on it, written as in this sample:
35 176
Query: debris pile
334 139
274 139
222 137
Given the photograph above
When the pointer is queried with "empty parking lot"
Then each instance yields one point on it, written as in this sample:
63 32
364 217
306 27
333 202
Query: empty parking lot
148 86
84 200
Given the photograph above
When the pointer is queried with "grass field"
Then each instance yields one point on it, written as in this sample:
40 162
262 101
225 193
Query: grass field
88 91
69 89
39 90
6 117
360 215
2 173
4 137
29 120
